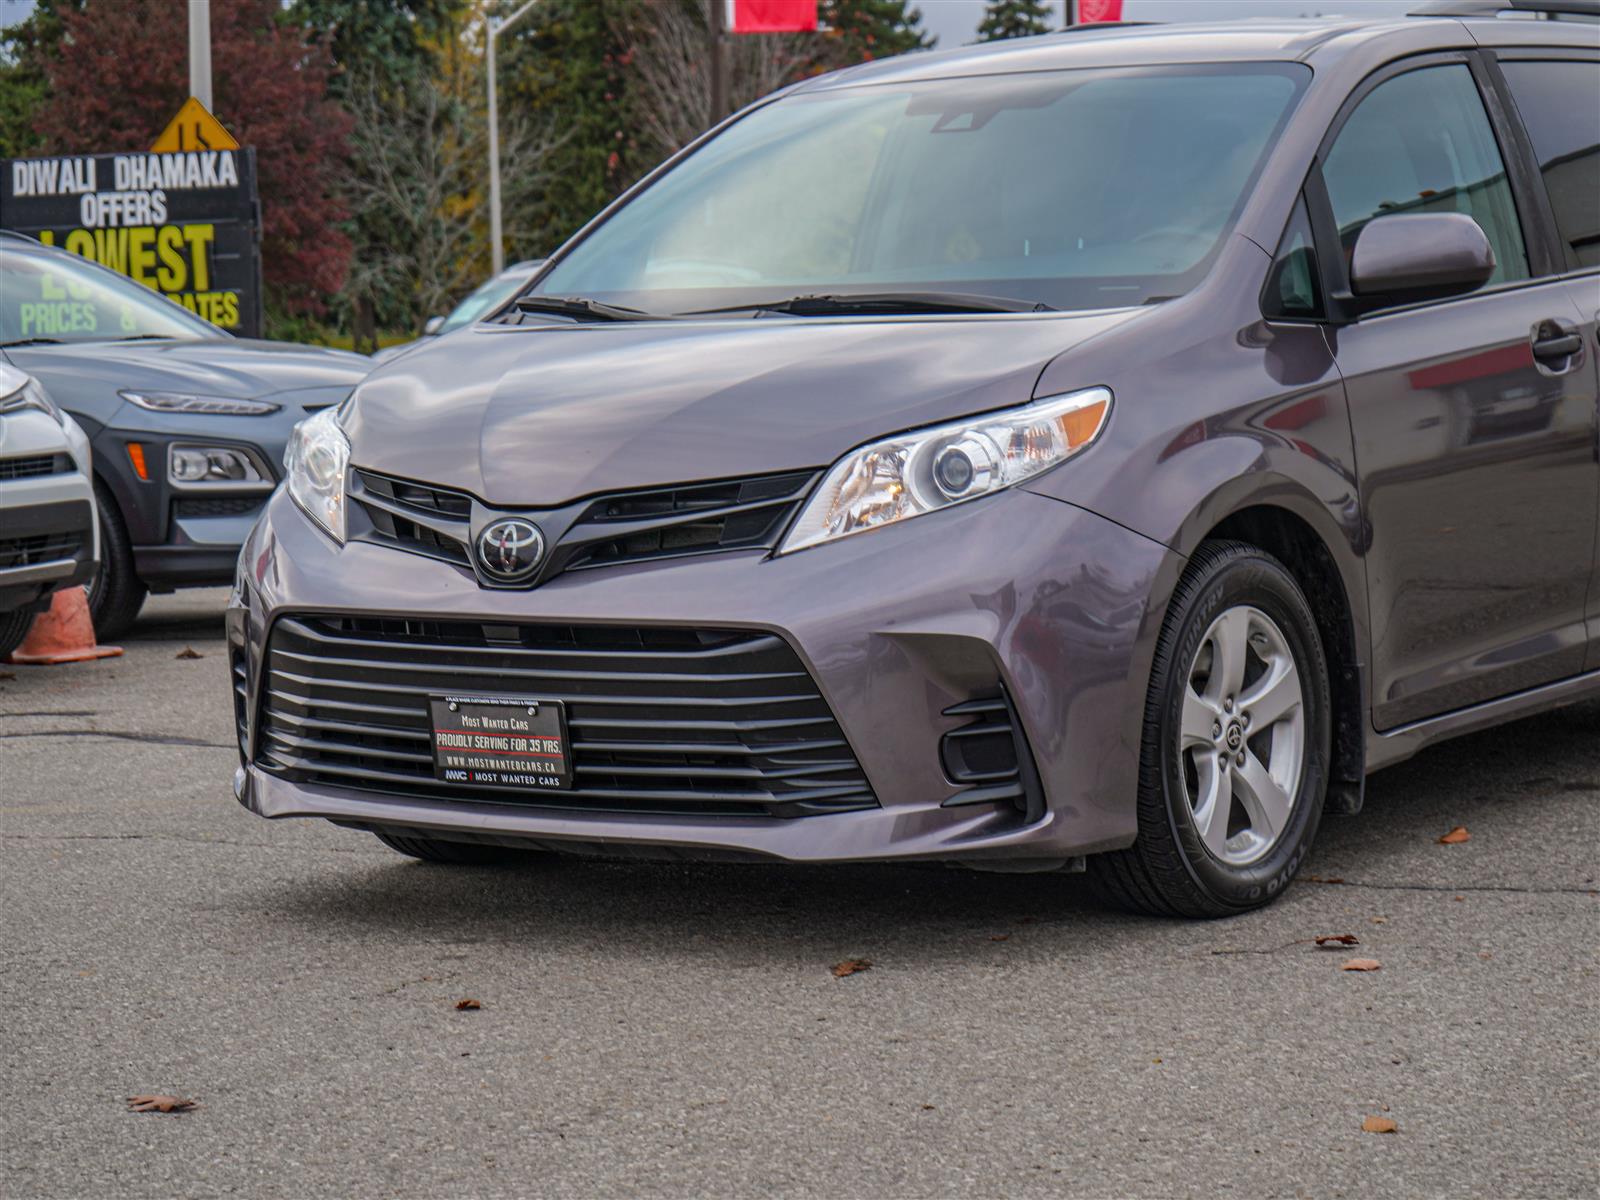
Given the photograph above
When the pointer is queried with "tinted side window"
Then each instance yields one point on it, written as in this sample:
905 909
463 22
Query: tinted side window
1560 105
1293 288
1422 142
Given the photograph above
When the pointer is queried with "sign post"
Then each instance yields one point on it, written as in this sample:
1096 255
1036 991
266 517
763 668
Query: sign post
185 224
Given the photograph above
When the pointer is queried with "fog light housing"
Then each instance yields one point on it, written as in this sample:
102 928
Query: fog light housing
237 467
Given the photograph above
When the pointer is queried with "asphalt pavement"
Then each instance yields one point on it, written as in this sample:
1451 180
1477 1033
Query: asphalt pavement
650 1030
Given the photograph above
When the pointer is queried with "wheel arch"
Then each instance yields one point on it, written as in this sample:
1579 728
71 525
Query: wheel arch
1335 588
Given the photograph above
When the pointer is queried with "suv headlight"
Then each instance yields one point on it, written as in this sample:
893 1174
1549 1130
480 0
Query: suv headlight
181 402
32 395
316 461
929 469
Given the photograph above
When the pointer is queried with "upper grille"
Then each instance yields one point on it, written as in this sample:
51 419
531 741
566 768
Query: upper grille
39 548
662 720
34 466
625 527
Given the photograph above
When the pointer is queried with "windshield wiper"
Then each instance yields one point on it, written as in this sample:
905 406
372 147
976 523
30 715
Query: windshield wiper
581 309
31 341
887 302
147 337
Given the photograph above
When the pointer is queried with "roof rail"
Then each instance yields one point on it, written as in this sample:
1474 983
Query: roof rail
1493 8
1081 28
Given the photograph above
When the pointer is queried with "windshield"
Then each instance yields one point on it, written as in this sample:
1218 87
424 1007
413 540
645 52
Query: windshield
486 297
1074 189
64 298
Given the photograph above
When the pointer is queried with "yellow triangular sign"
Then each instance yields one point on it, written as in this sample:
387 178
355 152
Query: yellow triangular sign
194 129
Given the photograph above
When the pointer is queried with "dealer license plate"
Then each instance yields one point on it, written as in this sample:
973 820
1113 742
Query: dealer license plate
500 741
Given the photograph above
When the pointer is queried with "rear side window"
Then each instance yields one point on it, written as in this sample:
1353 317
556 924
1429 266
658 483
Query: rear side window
1560 105
1422 142
1293 290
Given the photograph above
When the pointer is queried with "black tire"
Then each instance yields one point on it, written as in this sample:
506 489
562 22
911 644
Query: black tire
434 850
13 628
1168 870
115 593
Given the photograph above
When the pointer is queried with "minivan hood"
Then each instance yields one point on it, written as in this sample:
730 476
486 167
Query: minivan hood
232 367
537 416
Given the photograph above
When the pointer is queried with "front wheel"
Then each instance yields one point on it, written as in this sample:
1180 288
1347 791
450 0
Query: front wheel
115 593
1234 760
13 628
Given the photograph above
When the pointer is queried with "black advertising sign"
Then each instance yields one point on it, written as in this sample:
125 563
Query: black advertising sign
185 224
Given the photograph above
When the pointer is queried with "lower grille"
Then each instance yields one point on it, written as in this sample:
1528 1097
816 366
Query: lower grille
40 548
34 466
662 720
217 506
990 755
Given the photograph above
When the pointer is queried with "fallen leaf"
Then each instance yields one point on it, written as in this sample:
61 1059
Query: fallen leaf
161 1104
467 1005
1456 836
850 966
1332 941
188 652
1000 937
927 1108
1379 1125
1380 920
1361 964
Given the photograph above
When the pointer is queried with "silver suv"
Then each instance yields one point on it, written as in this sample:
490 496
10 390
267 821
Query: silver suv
48 536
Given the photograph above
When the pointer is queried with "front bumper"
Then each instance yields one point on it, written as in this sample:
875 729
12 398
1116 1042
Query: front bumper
48 535
895 626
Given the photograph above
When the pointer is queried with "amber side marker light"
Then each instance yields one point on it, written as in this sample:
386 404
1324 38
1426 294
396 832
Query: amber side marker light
136 457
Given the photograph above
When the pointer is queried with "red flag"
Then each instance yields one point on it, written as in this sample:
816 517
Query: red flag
1090 11
771 16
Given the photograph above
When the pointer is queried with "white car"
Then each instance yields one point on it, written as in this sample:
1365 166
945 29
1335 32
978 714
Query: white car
49 538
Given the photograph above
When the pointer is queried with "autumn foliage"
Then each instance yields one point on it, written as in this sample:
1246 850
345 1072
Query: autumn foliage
122 71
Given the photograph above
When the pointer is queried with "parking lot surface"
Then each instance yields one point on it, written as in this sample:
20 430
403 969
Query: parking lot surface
678 1030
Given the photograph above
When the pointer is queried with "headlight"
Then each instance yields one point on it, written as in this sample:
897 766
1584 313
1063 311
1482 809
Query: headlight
180 402
234 467
316 461
32 395
929 469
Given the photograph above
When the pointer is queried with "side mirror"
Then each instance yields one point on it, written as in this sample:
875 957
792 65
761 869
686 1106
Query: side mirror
1411 257
432 326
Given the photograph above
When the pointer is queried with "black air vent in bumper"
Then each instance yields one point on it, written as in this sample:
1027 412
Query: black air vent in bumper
990 755
663 720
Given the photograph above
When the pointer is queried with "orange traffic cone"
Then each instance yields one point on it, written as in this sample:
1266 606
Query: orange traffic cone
63 633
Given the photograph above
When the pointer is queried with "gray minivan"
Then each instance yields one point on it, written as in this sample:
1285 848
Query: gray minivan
1095 451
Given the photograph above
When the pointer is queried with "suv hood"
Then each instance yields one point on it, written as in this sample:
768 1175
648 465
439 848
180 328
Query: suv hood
232 367
536 416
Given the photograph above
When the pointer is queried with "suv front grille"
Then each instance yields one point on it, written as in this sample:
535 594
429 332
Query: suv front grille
662 720
39 548
624 527
34 466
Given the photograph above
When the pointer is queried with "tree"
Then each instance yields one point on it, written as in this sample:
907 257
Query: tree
422 146
1013 18
24 86
387 56
864 30
669 70
565 63
119 72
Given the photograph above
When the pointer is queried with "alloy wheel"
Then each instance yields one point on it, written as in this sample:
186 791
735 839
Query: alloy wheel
1242 736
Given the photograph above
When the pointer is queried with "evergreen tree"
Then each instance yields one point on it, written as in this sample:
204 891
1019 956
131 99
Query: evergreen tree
1013 18
864 30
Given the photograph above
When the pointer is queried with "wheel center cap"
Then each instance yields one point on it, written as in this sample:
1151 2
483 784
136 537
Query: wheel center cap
1235 736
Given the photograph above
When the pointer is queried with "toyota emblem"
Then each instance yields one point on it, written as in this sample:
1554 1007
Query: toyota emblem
510 550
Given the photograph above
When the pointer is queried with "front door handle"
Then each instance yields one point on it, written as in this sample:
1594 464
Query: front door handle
1556 343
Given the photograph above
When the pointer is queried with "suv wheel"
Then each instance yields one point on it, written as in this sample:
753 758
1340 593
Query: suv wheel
433 850
115 592
1234 761
13 628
